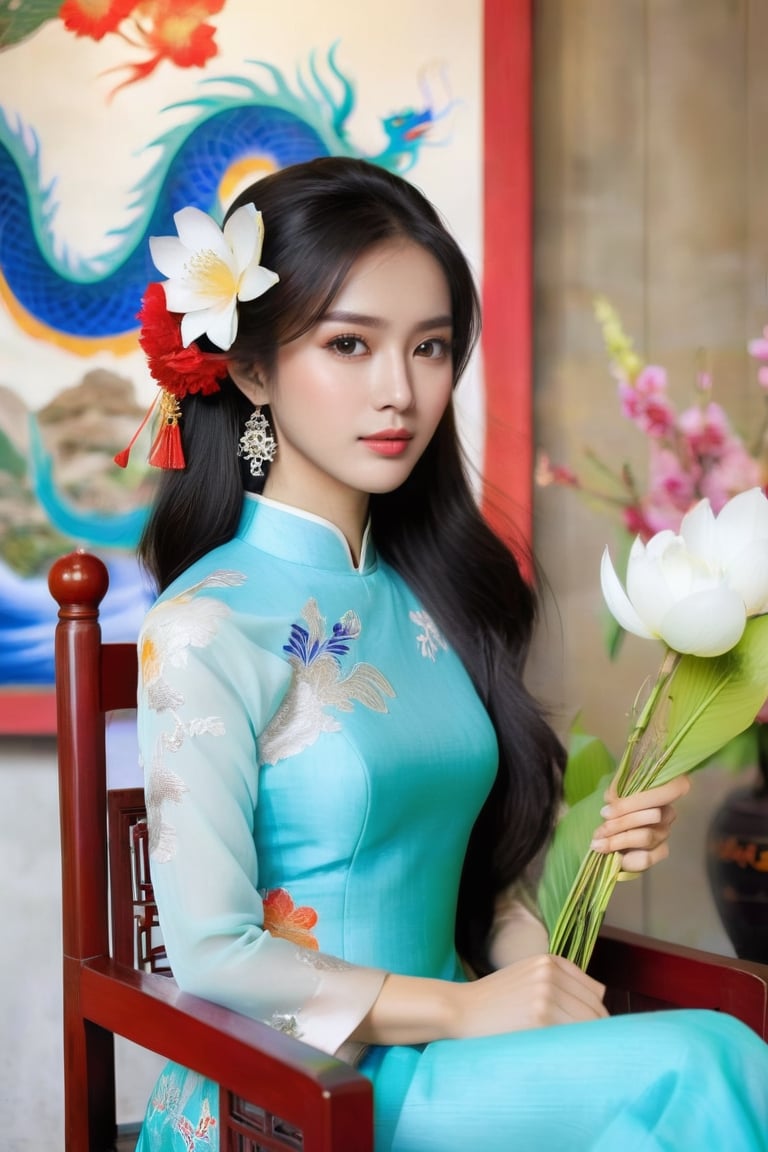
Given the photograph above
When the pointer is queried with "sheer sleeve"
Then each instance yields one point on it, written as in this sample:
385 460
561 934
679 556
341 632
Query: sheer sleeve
208 687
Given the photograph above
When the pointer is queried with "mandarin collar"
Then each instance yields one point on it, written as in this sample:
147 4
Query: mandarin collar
301 537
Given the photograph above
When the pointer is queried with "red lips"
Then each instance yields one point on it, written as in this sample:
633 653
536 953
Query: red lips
388 442
389 434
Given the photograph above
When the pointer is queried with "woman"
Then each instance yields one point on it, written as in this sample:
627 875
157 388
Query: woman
346 778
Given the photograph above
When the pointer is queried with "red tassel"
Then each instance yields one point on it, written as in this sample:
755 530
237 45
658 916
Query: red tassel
122 457
166 451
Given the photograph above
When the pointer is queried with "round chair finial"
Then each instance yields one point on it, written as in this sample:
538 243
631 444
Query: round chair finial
78 579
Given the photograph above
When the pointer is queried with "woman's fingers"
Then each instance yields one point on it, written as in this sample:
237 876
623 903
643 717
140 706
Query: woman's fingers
652 808
640 861
584 993
656 797
532 993
638 826
643 829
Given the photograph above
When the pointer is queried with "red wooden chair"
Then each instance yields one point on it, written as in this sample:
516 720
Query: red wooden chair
276 1092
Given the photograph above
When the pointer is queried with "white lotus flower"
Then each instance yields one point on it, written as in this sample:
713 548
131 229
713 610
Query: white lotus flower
209 270
695 590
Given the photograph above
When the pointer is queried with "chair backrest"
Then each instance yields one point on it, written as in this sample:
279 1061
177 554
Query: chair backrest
304 1100
136 937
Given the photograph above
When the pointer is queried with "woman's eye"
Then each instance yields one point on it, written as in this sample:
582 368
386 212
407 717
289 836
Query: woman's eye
433 349
348 345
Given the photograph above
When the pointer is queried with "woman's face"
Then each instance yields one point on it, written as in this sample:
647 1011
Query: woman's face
355 400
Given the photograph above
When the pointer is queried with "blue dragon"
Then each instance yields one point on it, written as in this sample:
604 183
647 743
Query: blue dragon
255 124
85 305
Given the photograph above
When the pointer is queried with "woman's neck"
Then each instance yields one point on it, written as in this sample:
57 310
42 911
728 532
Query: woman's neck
349 515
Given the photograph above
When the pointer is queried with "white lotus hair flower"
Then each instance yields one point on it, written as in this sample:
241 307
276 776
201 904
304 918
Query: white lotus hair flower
696 590
210 269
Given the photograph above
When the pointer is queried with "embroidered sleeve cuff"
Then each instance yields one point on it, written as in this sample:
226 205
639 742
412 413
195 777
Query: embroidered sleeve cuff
344 995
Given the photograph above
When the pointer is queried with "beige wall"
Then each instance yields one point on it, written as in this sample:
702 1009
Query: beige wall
651 182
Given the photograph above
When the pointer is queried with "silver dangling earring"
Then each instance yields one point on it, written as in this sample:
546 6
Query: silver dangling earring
257 444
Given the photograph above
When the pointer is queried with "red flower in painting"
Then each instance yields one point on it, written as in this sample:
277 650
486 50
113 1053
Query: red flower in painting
176 31
95 18
283 918
171 30
179 32
177 369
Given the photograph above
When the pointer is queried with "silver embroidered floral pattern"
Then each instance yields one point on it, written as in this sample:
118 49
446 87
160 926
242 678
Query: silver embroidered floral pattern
285 1022
430 640
318 683
167 1095
323 962
185 621
163 786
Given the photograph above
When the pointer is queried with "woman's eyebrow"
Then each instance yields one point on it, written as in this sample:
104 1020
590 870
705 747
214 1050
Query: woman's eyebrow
340 316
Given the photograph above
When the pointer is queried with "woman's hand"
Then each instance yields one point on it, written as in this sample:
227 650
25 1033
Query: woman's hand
532 993
638 826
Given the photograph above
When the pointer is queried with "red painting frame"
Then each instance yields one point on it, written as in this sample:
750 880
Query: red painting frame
507 288
507 307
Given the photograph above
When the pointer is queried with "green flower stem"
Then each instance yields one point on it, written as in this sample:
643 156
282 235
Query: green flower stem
621 480
578 924
648 776
626 764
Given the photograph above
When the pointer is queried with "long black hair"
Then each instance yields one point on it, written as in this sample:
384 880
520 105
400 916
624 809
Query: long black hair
320 217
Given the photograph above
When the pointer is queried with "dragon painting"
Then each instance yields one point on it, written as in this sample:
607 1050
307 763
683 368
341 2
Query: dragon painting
238 128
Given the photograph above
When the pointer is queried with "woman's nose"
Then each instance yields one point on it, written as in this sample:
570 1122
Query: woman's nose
392 386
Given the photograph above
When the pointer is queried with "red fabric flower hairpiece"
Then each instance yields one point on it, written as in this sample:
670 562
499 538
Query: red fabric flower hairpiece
178 370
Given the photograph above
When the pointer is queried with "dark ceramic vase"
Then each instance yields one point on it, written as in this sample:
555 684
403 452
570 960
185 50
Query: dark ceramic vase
737 861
